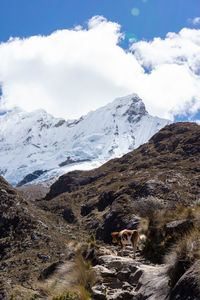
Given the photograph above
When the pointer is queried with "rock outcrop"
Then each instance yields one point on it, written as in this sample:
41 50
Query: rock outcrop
187 287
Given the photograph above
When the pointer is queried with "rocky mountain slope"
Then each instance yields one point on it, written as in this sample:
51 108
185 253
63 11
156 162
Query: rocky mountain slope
38 146
31 240
167 168
40 236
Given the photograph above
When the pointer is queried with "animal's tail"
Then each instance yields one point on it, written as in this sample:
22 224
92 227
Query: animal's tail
142 238
142 229
142 241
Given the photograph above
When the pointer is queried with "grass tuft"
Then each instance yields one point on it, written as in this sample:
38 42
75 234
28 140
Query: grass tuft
160 237
183 255
65 296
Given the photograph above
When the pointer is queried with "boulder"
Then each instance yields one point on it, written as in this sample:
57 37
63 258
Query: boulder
68 214
49 270
187 287
98 292
180 226
115 221
105 199
86 209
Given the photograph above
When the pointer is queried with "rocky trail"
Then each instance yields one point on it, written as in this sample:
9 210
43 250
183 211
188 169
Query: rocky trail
120 276
115 275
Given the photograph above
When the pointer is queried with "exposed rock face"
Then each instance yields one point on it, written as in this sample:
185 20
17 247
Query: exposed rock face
136 110
187 287
115 221
31 177
105 199
68 214
70 161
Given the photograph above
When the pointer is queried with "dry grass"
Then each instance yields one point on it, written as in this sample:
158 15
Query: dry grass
177 247
159 239
84 277
183 255
72 279
19 292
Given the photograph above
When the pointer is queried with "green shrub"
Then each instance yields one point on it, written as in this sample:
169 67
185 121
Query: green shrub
65 296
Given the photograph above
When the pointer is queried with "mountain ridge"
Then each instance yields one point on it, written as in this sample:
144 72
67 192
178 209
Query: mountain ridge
36 146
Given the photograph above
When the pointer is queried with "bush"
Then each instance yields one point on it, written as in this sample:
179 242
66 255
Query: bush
65 296
160 237
146 207
183 255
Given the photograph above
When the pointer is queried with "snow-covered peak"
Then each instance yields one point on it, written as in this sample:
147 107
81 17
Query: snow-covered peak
41 146
131 103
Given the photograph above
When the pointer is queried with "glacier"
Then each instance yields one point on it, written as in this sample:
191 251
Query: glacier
44 147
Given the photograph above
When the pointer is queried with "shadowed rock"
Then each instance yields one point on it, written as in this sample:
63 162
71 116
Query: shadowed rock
187 288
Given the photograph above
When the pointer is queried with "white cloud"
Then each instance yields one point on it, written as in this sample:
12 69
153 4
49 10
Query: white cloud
71 72
196 21
173 83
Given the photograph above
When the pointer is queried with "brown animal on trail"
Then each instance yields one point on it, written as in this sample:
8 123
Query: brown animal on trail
125 237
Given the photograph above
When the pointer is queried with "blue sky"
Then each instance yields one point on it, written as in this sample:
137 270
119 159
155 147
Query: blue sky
23 18
139 20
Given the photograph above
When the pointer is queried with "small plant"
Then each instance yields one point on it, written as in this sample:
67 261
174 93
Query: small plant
65 296
92 238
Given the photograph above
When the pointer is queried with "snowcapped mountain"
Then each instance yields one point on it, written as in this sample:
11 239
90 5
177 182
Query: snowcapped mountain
37 146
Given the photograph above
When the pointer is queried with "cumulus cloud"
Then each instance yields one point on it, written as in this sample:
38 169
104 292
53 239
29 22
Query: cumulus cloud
71 72
173 65
68 72
196 21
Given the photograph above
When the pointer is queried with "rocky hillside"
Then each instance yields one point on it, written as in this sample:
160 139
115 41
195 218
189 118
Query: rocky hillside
39 237
166 168
32 244
36 146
